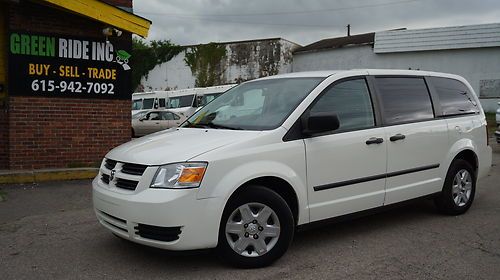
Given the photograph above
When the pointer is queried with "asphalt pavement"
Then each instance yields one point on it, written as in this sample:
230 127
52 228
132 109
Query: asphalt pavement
49 231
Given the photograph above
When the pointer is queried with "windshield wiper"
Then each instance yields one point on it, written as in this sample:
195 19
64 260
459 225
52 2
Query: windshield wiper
195 125
218 126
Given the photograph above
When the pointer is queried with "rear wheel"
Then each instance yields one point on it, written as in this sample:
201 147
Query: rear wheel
256 229
458 190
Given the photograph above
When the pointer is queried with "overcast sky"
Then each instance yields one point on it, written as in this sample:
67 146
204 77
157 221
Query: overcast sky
302 21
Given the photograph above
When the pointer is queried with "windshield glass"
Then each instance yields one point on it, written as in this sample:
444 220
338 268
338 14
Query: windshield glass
180 101
258 105
207 98
137 104
147 103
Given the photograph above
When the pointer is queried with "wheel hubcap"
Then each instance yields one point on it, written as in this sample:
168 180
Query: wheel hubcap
253 229
462 187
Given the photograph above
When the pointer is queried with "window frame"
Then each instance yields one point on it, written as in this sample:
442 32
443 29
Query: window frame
381 108
435 95
371 95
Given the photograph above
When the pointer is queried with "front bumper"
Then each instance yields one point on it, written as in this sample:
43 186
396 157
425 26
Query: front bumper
162 212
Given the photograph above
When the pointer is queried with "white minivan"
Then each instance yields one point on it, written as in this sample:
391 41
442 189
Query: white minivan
291 150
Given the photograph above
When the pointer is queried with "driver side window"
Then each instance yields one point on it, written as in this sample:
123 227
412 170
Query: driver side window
351 101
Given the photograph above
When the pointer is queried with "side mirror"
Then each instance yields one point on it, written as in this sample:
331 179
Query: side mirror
320 122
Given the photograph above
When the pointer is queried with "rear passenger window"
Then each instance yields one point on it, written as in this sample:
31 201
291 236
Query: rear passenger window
350 100
404 100
454 97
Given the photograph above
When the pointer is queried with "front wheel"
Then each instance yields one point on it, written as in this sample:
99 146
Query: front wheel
458 190
256 229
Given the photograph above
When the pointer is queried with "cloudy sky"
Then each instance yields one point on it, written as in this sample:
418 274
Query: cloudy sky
302 21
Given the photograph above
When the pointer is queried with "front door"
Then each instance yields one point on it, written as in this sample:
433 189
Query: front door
346 168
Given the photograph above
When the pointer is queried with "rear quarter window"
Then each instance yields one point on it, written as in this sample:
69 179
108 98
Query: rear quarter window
454 97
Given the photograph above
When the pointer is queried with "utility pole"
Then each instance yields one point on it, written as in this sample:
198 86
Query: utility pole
348 30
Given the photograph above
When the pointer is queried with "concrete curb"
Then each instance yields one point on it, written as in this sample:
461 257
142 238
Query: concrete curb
44 175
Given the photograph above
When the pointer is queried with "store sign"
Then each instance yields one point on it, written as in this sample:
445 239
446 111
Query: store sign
57 66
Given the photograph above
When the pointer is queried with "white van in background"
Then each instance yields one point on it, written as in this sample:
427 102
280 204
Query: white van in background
143 101
183 101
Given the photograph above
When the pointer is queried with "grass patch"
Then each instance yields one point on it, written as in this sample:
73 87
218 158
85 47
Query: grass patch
3 196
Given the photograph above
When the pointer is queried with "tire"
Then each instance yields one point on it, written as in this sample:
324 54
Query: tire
133 133
457 194
238 229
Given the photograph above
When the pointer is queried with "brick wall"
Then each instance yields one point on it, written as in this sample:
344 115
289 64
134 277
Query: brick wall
60 132
54 133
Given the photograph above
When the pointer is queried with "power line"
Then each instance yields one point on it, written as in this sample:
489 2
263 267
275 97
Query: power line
281 13
261 23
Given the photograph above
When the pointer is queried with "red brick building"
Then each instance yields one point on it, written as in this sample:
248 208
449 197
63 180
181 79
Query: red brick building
65 84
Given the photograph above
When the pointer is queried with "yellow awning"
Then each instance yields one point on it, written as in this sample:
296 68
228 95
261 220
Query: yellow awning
106 13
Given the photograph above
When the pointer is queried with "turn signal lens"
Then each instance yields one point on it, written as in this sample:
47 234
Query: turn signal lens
191 175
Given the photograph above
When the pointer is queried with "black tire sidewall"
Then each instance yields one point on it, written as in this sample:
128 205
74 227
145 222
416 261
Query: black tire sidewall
271 199
445 201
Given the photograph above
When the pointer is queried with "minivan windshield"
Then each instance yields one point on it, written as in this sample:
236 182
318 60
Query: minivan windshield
257 105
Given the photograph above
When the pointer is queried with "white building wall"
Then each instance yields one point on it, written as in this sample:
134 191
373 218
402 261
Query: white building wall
171 75
243 61
475 65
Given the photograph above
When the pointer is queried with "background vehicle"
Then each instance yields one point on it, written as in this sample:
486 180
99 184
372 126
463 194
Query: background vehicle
155 120
497 133
281 152
186 101
143 101
208 94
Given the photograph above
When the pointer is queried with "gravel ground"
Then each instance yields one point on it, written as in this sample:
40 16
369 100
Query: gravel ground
48 231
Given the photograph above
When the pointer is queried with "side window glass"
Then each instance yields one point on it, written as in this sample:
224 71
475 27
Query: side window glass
404 100
176 117
454 97
155 116
351 101
162 102
167 116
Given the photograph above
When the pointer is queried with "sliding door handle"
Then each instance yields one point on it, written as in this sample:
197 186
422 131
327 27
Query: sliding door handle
374 140
397 137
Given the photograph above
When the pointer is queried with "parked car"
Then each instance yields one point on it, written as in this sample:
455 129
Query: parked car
497 133
153 121
292 150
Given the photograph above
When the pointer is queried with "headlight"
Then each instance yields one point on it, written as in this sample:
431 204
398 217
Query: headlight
179 175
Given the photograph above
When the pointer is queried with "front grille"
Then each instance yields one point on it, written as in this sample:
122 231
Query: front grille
133 169
109 163
113 217
126 184
114 222
105 178
166 234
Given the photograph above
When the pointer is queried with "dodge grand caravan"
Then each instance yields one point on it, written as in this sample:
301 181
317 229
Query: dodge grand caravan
276 153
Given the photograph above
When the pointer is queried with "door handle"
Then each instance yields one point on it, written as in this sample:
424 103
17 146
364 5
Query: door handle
397 137
374 140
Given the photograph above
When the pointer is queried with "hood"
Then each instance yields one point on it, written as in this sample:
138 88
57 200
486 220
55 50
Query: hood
176 145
